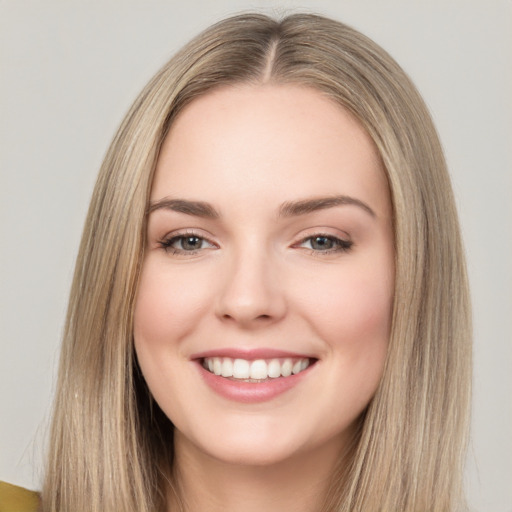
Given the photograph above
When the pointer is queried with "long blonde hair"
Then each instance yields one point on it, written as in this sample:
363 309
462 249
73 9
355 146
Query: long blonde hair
111 446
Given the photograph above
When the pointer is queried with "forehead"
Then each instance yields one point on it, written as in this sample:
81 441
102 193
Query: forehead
264 141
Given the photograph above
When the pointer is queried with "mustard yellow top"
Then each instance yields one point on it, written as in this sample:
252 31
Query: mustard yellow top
17 499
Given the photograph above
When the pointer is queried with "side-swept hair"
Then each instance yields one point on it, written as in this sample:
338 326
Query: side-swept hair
111 446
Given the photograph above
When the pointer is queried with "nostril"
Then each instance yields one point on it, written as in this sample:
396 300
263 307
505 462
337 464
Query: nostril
227 316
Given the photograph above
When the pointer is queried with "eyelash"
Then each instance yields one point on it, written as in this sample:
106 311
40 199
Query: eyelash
167 243
339 244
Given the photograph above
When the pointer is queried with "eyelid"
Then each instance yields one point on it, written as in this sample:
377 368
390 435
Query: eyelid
166 241
342 243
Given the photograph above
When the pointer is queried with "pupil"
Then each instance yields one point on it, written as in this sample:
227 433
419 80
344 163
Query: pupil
322 243
191 242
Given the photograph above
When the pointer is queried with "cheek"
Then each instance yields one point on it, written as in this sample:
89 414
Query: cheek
354 316
168 306
367 310
355 323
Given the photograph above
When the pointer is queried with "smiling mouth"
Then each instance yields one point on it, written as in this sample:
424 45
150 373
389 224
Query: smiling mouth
255 371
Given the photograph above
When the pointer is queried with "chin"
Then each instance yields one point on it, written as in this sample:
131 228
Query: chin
247 445
254 455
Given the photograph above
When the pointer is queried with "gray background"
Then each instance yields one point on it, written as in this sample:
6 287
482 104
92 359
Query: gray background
68 72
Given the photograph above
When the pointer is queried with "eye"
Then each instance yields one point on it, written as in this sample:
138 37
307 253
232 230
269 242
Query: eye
186 243
325 244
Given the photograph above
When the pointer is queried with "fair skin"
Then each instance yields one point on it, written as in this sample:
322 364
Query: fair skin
269 239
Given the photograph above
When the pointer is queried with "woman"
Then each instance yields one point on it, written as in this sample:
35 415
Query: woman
270 305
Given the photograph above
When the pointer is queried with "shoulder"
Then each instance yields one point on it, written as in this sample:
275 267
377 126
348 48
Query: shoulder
17 499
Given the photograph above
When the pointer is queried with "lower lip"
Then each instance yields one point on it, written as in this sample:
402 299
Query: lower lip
251 392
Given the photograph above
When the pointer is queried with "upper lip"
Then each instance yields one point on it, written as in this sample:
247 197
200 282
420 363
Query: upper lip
249 353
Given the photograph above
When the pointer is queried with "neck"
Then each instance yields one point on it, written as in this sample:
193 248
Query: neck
299 483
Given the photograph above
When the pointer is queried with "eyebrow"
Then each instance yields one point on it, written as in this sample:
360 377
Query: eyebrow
287 209
303 206
196 208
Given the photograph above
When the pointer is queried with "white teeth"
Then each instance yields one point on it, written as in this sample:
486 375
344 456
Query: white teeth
286 368
274 369
217 366
259 369
227 367
241 369
296 367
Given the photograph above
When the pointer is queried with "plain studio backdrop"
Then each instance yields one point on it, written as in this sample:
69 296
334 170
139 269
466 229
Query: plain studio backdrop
69 71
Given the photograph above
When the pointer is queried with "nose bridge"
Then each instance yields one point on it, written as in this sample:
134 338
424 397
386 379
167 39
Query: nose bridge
251 292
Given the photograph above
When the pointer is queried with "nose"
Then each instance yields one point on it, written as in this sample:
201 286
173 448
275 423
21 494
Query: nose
251 294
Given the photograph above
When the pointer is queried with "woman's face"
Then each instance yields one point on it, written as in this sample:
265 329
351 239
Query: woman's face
263 312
